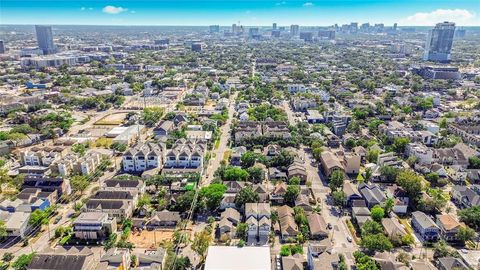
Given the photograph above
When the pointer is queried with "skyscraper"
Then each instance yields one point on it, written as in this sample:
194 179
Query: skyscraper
234 29
2 47
439 42
45 39
214 28
294 29
274 26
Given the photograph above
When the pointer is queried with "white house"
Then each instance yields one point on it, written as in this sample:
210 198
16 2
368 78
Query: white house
296 88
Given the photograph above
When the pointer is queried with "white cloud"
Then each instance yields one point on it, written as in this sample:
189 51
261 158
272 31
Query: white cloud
308 4
114 10
90 8
458 16
83 8
280 3
133 12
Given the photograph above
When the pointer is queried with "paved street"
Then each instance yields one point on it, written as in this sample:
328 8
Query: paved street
217 154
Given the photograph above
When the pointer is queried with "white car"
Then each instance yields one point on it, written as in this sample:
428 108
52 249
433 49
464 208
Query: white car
349 239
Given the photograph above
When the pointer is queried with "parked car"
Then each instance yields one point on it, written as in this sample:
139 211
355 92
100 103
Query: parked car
349 239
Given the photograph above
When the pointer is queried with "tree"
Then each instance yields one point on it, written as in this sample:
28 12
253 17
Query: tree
7 257
376 242
377 213
408 240
471 216
400 144
294 180
235 174
79 183
22 261
465 234
388 205
212 195
364 262
368 174
336 180
432 177
200 243
184 201
144 199
242 229
441 249
291 194
79 148
257 175
389 173
246 195
474 162
371 227
339 198
3 229
152 116
372 155
410 182
248 159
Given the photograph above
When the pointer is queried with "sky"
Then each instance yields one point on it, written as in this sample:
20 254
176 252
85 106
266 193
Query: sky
244 12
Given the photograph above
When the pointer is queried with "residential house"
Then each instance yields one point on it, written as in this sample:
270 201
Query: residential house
321 257
466 197
16 223
164 128
425 226
128 185
297 169
229 219
372 194
119 209
276 197
451 263
293 262
449 226
115 258
338 160
62 258
288 227
48 184
361 215
235 157
318 226
151 260
257 216
94 226
393 228
163 218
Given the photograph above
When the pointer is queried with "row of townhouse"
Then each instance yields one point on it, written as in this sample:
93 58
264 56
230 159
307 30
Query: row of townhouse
252 129
143 157
73 163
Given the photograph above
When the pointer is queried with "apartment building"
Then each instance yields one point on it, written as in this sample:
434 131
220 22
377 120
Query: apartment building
94 226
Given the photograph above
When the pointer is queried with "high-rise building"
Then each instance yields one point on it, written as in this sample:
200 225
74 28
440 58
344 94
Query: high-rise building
274 26
326 34
395 27
45 39
234 28
353 27
460 33
253 32
306 36
439 42
214 28
294 29
2 47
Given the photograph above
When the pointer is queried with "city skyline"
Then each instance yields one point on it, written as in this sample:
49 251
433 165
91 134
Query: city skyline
249 13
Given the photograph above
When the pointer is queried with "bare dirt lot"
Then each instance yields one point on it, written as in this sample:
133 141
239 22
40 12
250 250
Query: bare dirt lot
112 119
150 239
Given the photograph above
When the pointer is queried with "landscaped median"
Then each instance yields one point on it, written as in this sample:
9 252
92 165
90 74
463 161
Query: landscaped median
352 230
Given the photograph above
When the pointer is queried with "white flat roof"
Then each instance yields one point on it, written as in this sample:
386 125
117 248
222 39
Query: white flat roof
235 258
